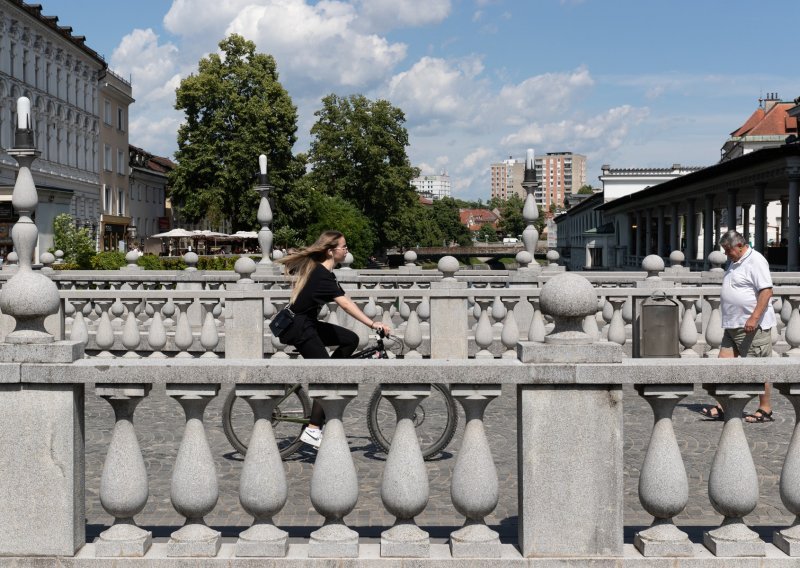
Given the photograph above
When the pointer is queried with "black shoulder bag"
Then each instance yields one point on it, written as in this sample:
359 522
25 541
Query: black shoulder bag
281 322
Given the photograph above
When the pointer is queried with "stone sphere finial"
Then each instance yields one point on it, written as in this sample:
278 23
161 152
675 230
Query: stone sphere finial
568 298
717 259
277 254
47 259
347 262
653 264
410 257
12 257
191 259
676 258
552 257
448 266
59 256
523 258
132 258
244 267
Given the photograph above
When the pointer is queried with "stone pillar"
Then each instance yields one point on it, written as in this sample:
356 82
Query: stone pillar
244 329
691 230
760 240
569 470
732 208
449 315
733 481
674 229
792 220
708 225
648 232
639 231
746 222
788 539
784 216
661 231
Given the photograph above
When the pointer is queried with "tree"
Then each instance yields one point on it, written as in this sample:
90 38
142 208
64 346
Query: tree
446 216
586 190
511 221
487 234
358 152
235 110
335 213
76 244
415 227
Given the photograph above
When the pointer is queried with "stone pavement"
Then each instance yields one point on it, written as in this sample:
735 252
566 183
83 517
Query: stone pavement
159 425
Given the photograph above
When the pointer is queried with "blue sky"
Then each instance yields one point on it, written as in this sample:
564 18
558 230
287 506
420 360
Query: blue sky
631 83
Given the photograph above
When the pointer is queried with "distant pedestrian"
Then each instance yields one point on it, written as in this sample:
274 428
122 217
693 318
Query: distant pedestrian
747 314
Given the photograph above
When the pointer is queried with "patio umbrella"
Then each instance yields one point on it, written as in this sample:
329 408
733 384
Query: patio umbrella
173 234
244 235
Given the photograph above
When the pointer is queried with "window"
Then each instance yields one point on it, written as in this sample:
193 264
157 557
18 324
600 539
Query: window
107 158
107 196
120 118
120 163
107 112
120 202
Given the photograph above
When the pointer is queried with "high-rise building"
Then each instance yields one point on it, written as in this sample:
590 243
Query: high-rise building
559 174
433 187
507 178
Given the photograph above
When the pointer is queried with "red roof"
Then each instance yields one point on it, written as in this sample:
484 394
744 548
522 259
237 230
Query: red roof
773 122
474 219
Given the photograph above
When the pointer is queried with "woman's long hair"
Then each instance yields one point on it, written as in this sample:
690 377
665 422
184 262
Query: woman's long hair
301 264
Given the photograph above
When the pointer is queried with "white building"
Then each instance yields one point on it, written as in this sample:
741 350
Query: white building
148 190
434 186
619 182
43 61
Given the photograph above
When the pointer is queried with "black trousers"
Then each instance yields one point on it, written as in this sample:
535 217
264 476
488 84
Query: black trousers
314 346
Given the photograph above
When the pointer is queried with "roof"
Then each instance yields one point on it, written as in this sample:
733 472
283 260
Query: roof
142 159
773 122
476 216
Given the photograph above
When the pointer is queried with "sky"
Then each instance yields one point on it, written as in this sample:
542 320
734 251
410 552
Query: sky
629 83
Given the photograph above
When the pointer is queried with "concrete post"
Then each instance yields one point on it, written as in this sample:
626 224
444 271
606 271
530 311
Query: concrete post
691 230
746 222
639 232
244 329
661 231
569 493
708 225
788 539
760 240
674 229
648 232
448 316
732 208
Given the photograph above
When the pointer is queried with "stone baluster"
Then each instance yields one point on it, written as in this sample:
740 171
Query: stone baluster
510 334
278 347
605 315
194 491
498 313
792 331
590 326
183 330
483 330
474 488
361 331
386 307
663 484
786 309
334 484
104 336
788 539
616 327
264 217
688 330
413 331
424 313
262 488
733 481
79 331
130 331
209 334
714 331
156 334
168 310
116 310
537 330
404 488
123 485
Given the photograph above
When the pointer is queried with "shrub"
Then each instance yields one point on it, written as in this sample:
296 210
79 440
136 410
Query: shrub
150 262
173 264
109 260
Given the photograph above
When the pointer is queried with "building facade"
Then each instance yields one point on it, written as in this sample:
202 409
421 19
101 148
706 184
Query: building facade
506 178
115 97
433 186
769 126
148 197
559 174
43 61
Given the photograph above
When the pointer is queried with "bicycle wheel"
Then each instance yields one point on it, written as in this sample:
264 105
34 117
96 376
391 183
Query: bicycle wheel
435 419
290 416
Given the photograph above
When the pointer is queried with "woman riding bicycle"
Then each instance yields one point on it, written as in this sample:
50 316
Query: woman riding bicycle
313 285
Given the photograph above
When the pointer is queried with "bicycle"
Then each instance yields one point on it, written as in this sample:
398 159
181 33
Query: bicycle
292 413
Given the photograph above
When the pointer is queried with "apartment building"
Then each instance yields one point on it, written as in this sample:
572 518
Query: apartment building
433 186
559 174
59 73
506 178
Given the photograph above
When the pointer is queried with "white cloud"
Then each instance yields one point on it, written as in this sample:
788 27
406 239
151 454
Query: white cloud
383 15
477 157
543 95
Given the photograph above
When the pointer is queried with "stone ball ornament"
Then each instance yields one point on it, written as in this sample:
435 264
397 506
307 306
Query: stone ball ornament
448 265
717 259
568 298
47 258
653 264
132 257
244 267
191 258
553 256
523 258
676 258
410 257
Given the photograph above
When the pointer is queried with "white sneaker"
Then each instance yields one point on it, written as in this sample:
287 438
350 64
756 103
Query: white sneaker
312 437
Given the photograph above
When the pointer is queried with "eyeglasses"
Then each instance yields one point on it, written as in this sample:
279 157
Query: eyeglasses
341 248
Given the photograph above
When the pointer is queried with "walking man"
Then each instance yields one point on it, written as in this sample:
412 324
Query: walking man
747 314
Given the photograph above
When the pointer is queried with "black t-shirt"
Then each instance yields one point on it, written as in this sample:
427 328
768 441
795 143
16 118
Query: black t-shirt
321 288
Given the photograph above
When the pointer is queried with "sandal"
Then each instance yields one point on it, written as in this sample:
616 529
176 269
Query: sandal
760 415
713 412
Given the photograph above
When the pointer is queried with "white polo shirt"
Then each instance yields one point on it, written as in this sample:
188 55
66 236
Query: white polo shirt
740 287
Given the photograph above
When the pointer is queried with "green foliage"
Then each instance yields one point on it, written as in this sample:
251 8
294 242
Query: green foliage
235 109
173 264
150 262
286 238
358 153
586 190
445 215
216 262
67 266
335 213
108 260
415 227
76 244
511 221
487 234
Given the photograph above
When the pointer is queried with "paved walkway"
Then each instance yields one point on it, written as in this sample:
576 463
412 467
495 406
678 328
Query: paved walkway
159 422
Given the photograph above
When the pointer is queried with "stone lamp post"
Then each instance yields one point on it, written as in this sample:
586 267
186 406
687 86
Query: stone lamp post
264 217
530 212
28 296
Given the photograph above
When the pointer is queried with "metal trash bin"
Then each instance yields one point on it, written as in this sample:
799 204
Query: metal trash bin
660 327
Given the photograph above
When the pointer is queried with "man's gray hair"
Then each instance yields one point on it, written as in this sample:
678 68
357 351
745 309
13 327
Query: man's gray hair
732 238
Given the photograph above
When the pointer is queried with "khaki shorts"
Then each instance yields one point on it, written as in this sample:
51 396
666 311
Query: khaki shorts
754 344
